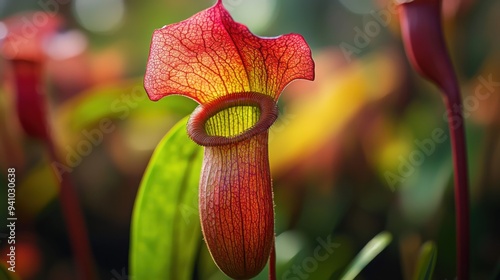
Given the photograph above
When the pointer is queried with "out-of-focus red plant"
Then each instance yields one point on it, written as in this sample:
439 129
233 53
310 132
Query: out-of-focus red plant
23 48
426 49
236 77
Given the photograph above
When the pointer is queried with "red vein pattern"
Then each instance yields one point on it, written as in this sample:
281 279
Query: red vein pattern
225 68
236 207
209 55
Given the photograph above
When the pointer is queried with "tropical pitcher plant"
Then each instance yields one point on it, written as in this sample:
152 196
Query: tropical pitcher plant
236 78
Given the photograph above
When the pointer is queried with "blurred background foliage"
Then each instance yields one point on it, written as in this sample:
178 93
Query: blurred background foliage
335 150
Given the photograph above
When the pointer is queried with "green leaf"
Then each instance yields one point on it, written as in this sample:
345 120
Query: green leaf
426 261
117 101
166 230
5 274
367 254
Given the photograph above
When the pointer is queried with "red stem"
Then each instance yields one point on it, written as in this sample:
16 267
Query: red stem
32 116
75 221
272 262
459 151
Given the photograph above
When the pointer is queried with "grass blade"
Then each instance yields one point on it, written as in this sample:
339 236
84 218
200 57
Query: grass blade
426 261
367 254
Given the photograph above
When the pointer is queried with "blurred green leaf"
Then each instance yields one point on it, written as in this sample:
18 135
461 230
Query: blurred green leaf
5 274
367 254
425 184
165 225
426 261
496 272
117 101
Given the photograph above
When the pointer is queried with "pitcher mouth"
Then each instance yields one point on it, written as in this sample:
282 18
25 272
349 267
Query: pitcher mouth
196 127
